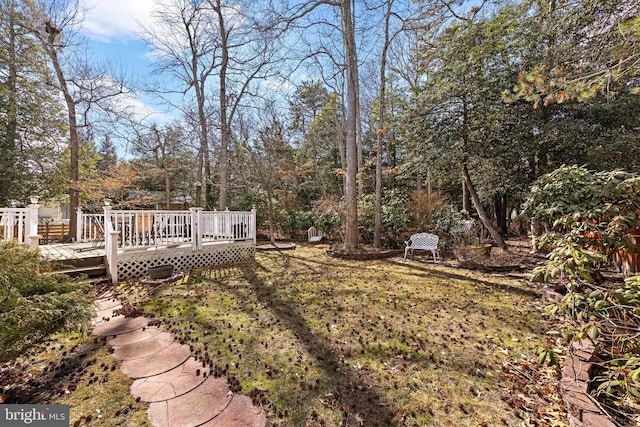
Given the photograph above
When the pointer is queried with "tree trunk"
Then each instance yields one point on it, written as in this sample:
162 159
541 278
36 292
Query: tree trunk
351 191
377 235
8 149
482 214
74 179
272 230
466 199
223 167
501 212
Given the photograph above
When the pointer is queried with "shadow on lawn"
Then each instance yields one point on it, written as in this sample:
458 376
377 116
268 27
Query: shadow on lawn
61 374
357 402
318 267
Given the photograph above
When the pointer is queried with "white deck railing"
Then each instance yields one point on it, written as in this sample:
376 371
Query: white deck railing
20 224
154 228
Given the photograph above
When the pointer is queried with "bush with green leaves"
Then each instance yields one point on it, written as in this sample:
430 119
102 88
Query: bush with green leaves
589 215
395 216
34 306
445 218
296 222
326 220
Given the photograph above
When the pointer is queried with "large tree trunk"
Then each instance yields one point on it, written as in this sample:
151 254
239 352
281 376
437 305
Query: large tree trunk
204 144
482 214
351 191
74 179
501 212
377 234
466 199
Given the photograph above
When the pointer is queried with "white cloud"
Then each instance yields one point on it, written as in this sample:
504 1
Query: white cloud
116 19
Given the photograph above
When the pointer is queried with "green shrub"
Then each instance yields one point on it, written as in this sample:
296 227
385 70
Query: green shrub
296 222
589 215
34 306
396 216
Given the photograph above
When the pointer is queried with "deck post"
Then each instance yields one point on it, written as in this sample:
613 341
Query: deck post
196 230
79 225
252 226
31 233
108 227
112 255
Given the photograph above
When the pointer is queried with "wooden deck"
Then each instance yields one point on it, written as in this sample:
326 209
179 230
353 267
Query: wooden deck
67 251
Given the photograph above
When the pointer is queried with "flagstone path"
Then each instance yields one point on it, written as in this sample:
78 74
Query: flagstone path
179 388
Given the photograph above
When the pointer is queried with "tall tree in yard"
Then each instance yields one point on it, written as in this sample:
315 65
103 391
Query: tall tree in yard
459 109
351 187
271 163
29 109
49 27
246 39
9 139
199 40
54 24
184 39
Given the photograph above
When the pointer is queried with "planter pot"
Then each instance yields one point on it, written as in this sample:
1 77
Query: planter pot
160 272
480 250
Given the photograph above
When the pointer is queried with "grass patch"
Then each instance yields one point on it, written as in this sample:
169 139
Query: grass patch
319 341
322 341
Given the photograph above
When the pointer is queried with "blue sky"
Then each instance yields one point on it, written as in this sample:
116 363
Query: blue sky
112 28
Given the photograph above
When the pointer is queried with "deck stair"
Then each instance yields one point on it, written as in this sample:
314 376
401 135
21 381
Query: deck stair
93 267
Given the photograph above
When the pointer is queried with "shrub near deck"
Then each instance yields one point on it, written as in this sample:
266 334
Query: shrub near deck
383 342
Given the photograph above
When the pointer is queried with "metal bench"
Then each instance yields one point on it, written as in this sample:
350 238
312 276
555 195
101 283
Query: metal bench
422 241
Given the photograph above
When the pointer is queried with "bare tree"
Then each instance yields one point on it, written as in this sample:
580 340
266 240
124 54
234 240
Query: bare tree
377 234
184 41
54 24
246 38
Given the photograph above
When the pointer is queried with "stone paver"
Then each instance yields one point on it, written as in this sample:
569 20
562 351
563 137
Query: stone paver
106 303
158 363
107 312
194 408
173 383
178 387
240 413
134 336
144 348
119 325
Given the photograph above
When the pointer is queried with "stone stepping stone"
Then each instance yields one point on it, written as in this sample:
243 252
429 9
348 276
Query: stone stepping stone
194 408
107 312
241 412
164 360
119 325
171 384
107 303
143 348
134 336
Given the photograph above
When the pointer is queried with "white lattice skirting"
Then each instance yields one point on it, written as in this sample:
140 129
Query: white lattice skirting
136 263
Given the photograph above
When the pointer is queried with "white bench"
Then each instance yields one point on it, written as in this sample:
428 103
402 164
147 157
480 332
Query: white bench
422 241
313 235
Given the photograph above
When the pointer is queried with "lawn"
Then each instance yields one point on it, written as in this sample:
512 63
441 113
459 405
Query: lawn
323 341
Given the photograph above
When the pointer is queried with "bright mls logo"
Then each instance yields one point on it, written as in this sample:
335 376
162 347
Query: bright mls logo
34 415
